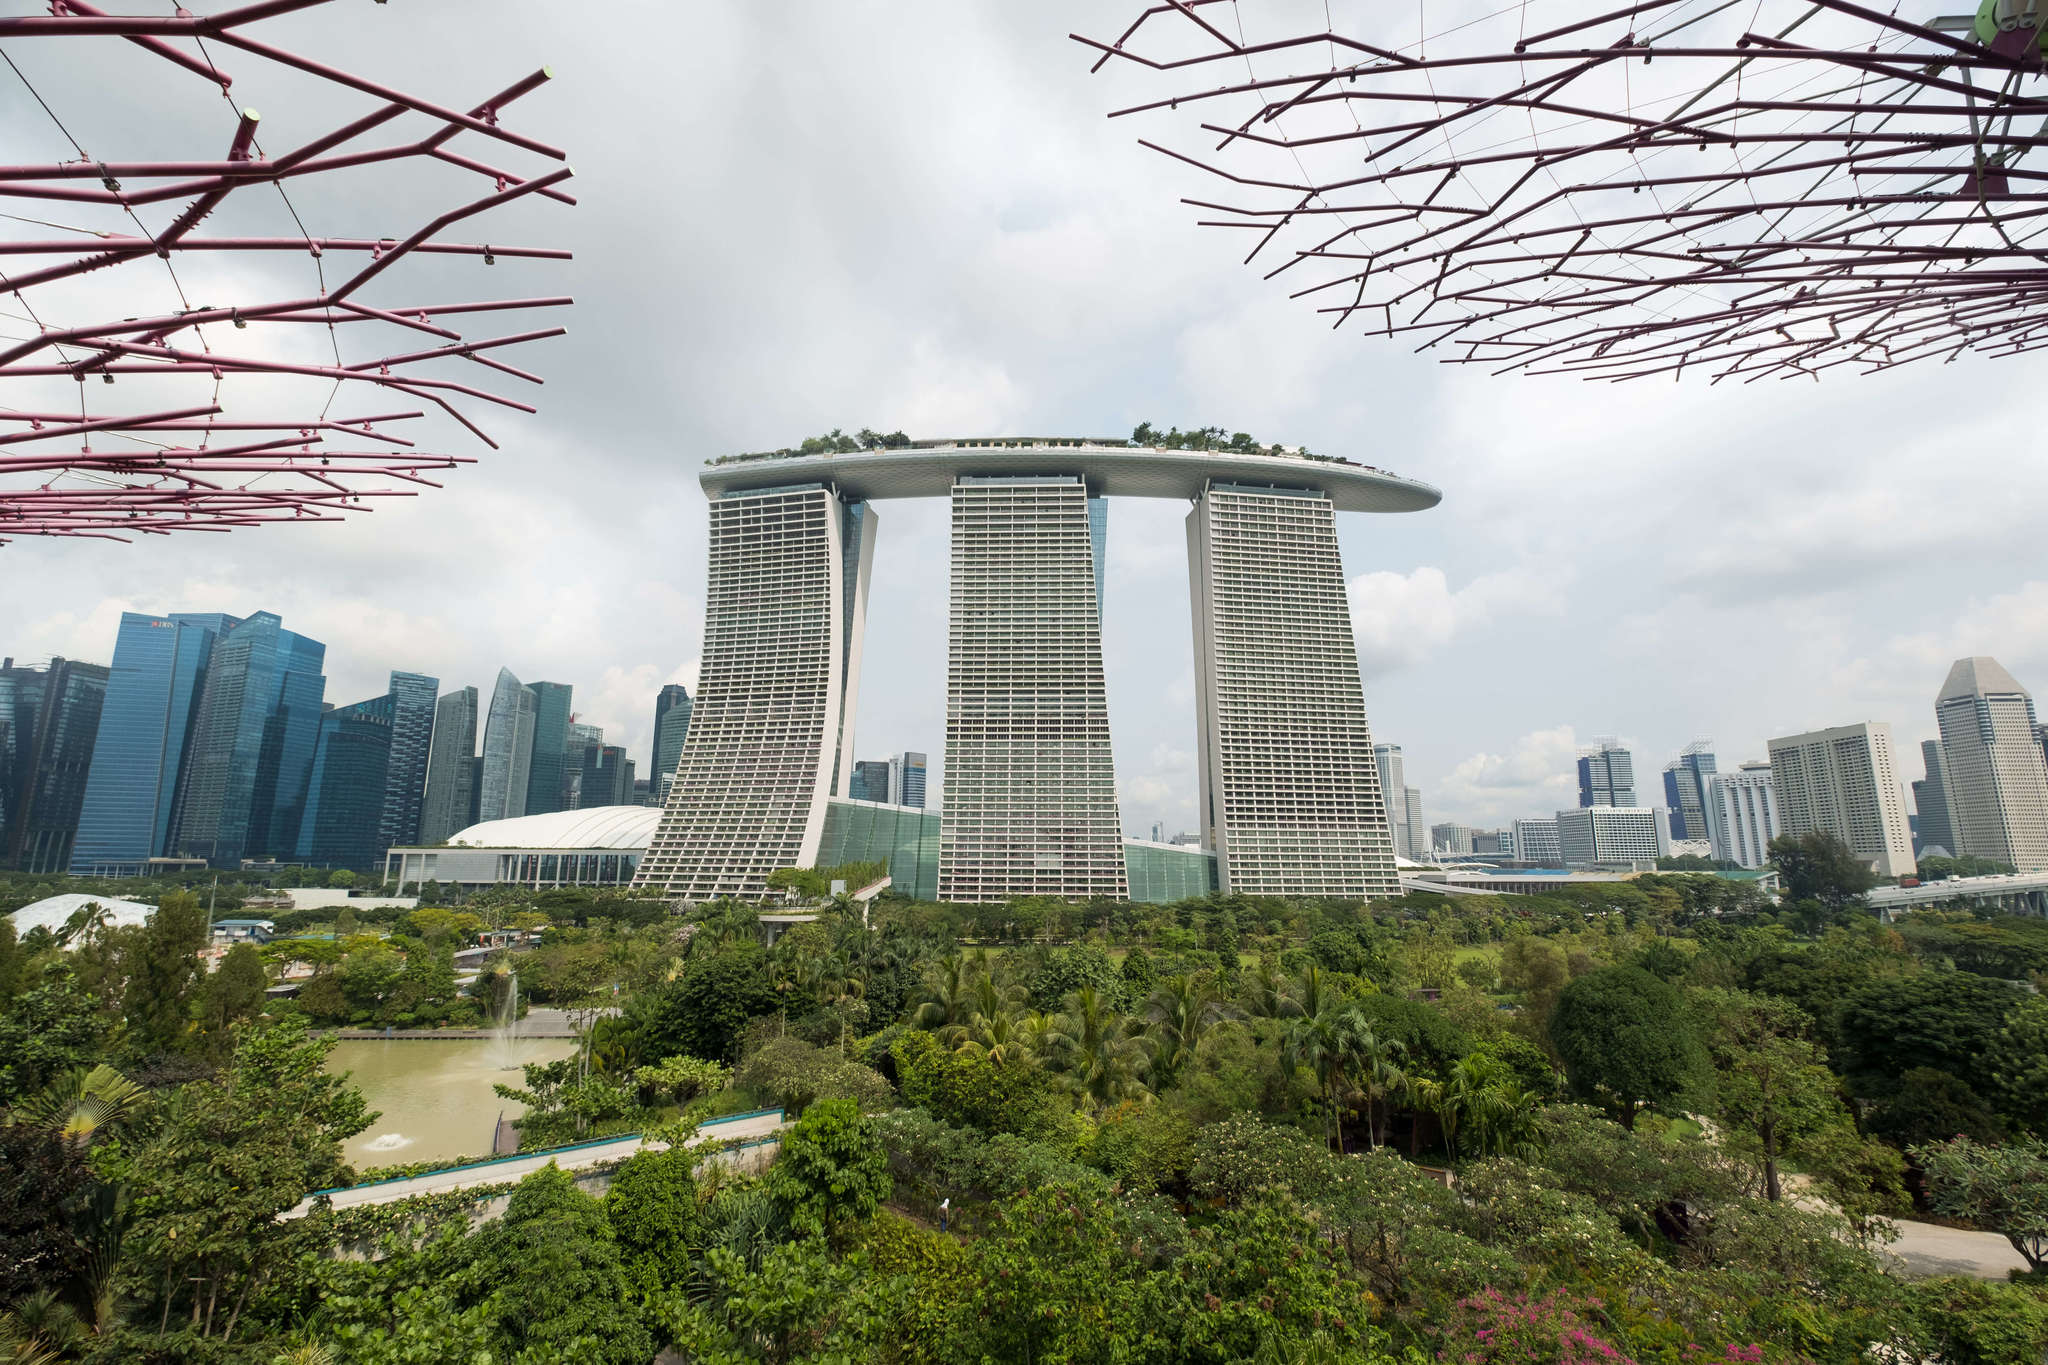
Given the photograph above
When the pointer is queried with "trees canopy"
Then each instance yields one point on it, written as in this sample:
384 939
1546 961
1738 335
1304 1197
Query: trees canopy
1627 1040
1820 867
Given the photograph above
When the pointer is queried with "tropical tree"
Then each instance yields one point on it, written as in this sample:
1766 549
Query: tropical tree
1104 1061
1179 1013
82 1104
1325 1045
1381 1080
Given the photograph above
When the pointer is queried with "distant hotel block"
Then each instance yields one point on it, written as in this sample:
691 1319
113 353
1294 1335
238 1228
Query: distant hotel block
1292 800
1840 782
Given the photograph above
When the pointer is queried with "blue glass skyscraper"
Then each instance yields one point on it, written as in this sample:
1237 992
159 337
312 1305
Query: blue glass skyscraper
345 794
243 792
545 784
138 756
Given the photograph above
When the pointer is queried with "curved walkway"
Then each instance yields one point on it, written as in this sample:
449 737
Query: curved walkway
761 1125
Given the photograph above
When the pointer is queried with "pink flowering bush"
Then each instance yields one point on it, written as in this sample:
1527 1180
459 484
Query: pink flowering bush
1492 1327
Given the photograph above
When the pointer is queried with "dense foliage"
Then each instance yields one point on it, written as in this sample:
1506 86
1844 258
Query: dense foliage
1654 1121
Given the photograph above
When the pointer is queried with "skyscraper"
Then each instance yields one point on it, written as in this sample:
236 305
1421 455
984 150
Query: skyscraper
451 768
583 754
1742 815
1411 801
1030 782
671 727
1685 789
544 784
243 791
754 775
870 780
1607 776
906 779
138 757
1997 782
1609 834
347 792
607 776
1394 783
1536 843
507 763
1839 782
49 721
1930 803
412 730
1290 788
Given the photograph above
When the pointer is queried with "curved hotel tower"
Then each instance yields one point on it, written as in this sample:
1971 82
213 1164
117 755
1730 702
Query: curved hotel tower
1290 793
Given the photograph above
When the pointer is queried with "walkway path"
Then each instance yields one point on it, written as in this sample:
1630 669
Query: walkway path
1929 1249
762 1124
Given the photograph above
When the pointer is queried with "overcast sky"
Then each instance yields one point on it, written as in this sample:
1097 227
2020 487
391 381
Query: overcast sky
914 215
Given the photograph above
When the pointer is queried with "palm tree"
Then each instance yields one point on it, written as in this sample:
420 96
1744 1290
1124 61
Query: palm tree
1380 1078
78 1104
1324 1044
1181 1010
1105 1059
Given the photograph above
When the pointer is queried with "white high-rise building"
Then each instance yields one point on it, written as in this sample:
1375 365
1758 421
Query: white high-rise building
1030 785
1536 842
1393 789
1611 834
1840 781
1290 787
1742 815
1997 782
771 728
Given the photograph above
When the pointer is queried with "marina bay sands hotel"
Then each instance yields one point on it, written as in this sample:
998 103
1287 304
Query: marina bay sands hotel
1290 800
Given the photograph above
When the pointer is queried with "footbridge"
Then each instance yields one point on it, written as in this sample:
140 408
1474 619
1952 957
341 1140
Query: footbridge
753 1139
2016 893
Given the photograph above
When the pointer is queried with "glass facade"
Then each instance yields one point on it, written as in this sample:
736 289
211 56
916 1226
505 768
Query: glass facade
508 751
49 720
906 779
345 799
544 784
671 725
870 781
146 723
904 838
449 805
1164 873
243 791
412 731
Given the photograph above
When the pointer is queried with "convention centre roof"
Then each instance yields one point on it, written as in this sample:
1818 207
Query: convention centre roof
600 827
927 469
56 911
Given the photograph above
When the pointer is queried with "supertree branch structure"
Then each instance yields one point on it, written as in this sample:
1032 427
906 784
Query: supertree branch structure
226 415
1745 188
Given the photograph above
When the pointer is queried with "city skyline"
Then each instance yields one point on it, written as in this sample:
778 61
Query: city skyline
1793 521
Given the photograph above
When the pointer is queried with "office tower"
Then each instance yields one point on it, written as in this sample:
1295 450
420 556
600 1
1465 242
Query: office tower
1607 776
906 779
1930 803
347 795
870 780
412 732
1685 789
671 725
785 602
1536 843
581 753
1411 802
506 768
1610 834
451 768
243 791
1492 841
1742 815
1393 784
1839 781
1030 783
1452 839
544 785
1158 833
153 692
607 778
49 722
1997 784
1290 787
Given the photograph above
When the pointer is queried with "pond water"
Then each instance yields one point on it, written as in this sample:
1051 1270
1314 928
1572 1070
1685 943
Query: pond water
435 1096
